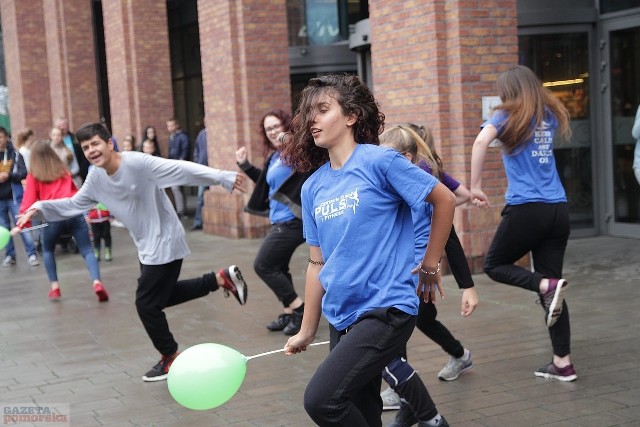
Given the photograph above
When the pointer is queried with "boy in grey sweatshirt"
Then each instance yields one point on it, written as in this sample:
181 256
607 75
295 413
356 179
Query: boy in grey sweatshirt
131 185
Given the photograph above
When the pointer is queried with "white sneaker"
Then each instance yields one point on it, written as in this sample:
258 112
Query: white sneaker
456 366
33 260
8 261
390 400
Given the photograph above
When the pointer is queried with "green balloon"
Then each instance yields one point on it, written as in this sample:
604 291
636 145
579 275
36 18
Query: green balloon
5 236
101 207
206 375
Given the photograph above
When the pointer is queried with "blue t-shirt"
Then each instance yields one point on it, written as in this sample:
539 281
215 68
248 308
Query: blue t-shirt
360 217
277 174
531 168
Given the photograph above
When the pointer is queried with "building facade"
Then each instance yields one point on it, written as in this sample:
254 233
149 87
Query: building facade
135 63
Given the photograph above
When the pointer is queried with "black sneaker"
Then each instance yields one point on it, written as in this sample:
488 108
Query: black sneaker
161 370
295 322
405 417
234 283
568 373
280 323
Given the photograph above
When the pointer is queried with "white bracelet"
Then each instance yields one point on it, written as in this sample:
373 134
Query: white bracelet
432 273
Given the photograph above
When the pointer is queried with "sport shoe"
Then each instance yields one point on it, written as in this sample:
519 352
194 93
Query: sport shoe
33 260
107 254
294 325
101 292
552 300
234 283
552 371
441 423
280 323
8 261
161 370
54 294
405 417
456 366
390 400
96 253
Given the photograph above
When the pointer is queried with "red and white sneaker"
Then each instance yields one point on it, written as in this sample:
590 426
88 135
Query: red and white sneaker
234 283
100 291
54 294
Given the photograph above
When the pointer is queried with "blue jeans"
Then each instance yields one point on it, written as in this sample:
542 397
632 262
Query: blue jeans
77 227
197 220
9 210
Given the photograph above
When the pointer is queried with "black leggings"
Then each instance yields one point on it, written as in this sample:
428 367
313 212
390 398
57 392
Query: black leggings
101 231
542 229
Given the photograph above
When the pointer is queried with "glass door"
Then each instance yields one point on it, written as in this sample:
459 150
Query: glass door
621 89
562 61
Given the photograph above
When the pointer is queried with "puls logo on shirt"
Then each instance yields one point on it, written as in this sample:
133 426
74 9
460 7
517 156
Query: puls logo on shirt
542 138
338 206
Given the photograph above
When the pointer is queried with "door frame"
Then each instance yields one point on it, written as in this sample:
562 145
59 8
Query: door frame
609 224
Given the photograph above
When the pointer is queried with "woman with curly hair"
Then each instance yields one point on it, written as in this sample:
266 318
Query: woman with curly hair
356 211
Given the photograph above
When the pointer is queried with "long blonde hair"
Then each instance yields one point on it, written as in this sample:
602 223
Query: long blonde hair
45 164
406 140
525 99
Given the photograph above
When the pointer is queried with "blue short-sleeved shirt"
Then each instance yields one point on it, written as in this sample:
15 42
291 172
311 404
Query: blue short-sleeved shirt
360 217
531 169
277 174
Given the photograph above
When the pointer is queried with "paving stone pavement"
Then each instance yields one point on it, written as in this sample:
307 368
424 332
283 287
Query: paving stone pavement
91 356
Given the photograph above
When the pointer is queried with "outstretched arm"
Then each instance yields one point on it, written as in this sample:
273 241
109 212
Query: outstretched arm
478 154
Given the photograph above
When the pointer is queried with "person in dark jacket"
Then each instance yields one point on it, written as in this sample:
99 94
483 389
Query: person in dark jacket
178 150
277 196
71 142
200 155
12 172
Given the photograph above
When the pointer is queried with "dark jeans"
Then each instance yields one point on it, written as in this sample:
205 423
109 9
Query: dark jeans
542 229
272 261
158 288
77 227
9 210
101 231
345 389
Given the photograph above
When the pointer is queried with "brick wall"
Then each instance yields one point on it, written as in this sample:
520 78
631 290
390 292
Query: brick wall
26 65
138 67
432 61
71 61
245 73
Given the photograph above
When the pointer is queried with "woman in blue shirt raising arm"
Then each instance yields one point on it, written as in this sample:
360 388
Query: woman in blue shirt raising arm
536 217
356 211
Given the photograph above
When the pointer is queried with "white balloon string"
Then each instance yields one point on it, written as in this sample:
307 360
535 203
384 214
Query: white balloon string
281 350
35 227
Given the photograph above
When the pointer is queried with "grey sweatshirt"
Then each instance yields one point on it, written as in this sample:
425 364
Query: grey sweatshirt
135 196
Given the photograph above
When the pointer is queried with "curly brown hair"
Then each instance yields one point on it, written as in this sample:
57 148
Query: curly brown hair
353 96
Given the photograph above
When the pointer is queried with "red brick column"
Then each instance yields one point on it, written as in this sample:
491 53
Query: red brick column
71 61
245 73
25 57
433 61
138 66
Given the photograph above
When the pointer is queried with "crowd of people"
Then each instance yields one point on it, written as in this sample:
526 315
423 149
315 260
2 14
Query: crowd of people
374 206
